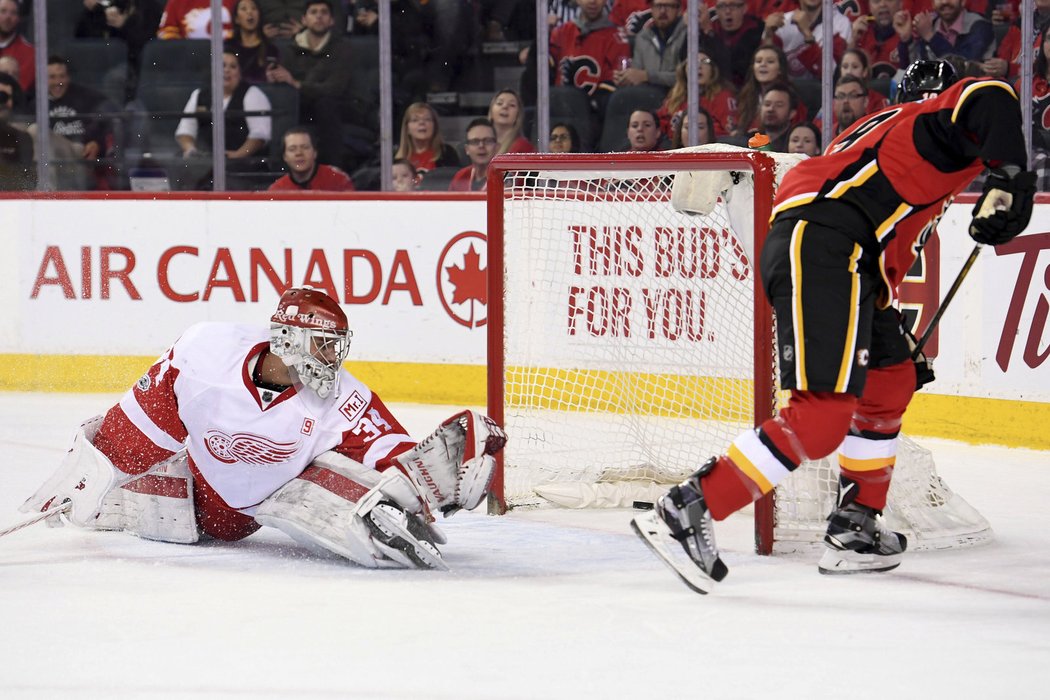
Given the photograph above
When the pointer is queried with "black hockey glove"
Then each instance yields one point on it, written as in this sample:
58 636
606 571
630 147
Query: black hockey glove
923 365
1005 206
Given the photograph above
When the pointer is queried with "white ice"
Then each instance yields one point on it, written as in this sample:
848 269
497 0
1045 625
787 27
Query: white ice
539 604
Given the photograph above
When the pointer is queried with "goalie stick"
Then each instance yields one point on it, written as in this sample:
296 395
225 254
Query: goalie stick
38 518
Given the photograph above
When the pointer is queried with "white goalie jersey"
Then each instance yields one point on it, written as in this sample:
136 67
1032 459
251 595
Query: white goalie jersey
246 442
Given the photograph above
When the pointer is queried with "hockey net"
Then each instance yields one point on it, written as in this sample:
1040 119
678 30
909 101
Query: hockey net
627 343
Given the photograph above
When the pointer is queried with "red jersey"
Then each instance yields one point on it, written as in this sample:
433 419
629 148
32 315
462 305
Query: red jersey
463 181
764 8
883 47
587 59
632 15
191 19
721 107
261 438
22 51
901 167
327 178
521 145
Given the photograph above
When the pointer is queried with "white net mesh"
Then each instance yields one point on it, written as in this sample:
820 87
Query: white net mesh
628 350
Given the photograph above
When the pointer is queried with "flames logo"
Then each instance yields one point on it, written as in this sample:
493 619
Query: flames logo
582 72
247 448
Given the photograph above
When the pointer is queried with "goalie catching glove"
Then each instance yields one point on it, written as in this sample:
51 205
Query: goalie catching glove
453 467
1005 207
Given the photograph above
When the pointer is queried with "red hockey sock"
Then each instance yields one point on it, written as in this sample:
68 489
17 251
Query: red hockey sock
727 490
872 486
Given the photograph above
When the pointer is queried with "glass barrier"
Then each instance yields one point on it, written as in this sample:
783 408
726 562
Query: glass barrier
310 84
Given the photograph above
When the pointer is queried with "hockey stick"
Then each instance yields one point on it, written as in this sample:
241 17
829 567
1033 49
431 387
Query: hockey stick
38 518
947 299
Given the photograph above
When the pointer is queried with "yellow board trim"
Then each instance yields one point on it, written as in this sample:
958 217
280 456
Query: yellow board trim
671 395
963 418
461 385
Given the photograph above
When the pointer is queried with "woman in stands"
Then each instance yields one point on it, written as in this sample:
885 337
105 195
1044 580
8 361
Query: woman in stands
705 130
254 51
564 139
804 138
768 66
508 116
716 98
421 141
246 136
643 132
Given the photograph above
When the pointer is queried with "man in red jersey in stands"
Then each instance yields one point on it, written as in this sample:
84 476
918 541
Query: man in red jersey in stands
304 172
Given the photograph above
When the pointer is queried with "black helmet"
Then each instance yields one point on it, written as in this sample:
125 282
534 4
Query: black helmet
924 77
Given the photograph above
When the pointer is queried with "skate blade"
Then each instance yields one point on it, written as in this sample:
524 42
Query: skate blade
423 554
836 562
658 538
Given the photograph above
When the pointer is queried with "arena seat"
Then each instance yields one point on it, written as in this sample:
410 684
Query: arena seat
100 64
284 103
175 61
569 105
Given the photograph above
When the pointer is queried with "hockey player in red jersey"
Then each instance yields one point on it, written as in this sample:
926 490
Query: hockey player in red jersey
846 228
239 426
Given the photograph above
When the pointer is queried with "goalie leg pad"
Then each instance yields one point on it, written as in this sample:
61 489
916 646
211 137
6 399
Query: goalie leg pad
158 506
328 507
453 468
316 516
84 478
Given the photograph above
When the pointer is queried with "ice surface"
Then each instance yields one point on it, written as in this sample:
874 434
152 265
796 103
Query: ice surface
540 604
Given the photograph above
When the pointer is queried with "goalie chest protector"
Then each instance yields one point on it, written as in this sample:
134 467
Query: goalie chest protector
244 447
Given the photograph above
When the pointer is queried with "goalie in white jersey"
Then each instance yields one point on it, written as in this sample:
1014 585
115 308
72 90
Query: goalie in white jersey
239 426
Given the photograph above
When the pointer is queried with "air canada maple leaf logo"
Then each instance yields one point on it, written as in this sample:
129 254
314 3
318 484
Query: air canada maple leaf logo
462 279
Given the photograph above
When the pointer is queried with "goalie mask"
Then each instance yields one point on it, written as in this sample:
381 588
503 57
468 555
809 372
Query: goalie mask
311 334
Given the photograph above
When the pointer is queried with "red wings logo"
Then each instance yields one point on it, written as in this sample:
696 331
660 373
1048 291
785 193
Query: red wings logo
247 448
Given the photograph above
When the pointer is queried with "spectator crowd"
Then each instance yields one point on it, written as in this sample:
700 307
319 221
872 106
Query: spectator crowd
300 82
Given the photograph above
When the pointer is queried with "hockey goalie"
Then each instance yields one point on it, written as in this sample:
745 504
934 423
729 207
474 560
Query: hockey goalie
237 427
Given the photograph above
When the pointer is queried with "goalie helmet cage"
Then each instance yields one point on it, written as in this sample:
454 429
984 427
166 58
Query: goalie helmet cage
628 341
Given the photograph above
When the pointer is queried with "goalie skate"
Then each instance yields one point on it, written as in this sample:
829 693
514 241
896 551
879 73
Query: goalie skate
404 537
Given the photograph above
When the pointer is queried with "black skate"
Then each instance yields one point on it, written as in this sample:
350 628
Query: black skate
682 517
858 542
404 537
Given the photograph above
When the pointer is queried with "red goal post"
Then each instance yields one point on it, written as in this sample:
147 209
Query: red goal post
576 178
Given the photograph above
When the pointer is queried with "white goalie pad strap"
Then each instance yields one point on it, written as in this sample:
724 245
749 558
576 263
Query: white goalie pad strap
453 467
158 506
84 478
